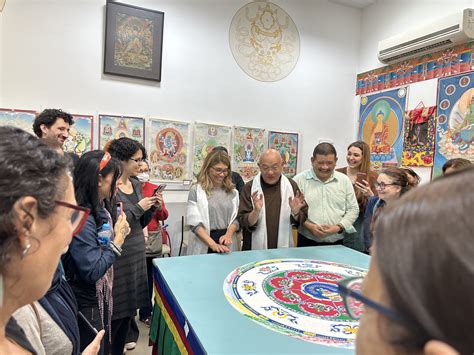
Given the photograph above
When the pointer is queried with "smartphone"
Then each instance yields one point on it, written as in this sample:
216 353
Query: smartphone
159 188
119 208
361 177
83 320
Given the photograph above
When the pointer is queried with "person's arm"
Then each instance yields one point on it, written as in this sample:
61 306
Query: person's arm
161 214
246 208
352 209
202 233
299 218
368 220
91 260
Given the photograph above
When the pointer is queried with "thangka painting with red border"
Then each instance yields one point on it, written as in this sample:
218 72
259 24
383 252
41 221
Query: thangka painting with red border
113 127
418 144
22 119
80 138
287 144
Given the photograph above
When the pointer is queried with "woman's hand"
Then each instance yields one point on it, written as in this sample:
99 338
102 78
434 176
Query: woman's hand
159 200
94 347
219 248
121 229
147 202
226 239
365 188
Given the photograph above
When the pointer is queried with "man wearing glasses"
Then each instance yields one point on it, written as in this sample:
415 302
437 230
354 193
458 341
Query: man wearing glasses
269 204
331 199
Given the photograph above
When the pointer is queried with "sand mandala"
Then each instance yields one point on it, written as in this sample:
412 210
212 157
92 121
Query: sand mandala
297 297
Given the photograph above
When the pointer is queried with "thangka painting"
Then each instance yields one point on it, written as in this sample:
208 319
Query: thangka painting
18 118
264 41
381 126
168 149
296 297
248 144
418 144
455 121
80 135
287 145
206 137
113 127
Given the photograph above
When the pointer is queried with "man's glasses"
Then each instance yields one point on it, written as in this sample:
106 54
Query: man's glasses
220 171
139 160
78 217
354 301
382 185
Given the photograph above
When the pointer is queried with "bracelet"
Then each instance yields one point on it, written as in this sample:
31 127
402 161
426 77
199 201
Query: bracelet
115 248
341 228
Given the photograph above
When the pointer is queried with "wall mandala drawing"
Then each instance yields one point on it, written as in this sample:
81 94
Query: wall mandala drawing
264 41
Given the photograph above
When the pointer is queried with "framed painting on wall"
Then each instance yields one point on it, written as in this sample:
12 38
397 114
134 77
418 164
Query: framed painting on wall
113 127
287 144
80 135
381 126
169 149
248 144
133 41
18 118
455 121
206 137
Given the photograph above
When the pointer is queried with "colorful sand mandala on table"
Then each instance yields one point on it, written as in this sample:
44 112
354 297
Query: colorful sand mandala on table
296 297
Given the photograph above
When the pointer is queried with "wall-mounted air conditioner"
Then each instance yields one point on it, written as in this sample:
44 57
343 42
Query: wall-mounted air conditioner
443 33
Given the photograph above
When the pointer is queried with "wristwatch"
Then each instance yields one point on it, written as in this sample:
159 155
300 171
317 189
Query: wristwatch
341 228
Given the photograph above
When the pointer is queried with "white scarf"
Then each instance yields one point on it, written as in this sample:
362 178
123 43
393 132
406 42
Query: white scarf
198 212
285 234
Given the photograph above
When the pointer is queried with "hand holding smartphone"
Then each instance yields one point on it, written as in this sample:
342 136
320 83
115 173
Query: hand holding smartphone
119 208
361 177
159 188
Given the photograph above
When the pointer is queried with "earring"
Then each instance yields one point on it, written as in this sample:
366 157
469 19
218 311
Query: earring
27 248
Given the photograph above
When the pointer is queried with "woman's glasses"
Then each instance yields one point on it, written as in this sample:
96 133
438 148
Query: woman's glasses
78 217
220 171
354 301
139 160
381 185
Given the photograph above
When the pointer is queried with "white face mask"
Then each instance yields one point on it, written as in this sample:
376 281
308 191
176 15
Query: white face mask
143 177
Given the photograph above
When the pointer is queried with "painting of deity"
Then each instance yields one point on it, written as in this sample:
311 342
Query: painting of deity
418 144
80 135
455 120
381 126
206 137
248 144
113 127
287 145
169 150
18 118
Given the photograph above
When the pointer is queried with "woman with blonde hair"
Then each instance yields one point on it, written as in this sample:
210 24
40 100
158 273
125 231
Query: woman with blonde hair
212 208
363 179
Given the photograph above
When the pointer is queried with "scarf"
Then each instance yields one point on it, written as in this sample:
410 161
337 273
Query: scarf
198 213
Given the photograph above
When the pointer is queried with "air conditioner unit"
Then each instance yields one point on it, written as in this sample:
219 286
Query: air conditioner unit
444 33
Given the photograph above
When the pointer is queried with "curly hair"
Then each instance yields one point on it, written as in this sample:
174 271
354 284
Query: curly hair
123 148
48 117
28 167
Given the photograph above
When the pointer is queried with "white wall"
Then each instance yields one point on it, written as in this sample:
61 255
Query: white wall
387 18
51 55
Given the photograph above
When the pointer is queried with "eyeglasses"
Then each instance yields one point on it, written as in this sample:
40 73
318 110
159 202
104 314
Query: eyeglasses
220 171
139 160
78 217
354 301
267 169
382 185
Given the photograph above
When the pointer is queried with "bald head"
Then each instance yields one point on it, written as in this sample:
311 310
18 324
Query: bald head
271 166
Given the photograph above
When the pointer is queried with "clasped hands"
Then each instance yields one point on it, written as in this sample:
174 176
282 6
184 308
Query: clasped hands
321 230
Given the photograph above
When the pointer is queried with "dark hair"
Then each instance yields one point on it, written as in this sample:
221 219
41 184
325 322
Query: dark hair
399 177
142 148
86 181
124 148
324 149
414 175
28 167
48 117
221 148
455 164
424 253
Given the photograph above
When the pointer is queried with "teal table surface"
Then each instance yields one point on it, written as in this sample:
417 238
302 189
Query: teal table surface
196 283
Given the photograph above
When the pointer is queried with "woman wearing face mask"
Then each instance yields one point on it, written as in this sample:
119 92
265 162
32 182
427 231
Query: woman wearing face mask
391 184
88 263
363 179
153 231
